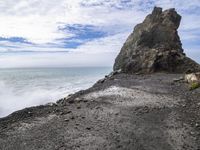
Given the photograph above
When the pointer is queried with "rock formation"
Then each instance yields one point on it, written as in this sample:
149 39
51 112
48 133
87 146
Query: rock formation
155 46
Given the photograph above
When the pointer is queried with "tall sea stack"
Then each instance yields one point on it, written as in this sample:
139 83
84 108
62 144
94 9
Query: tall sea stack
154 46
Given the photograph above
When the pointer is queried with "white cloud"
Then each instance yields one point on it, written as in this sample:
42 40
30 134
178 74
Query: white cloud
100 52
34 20
56 60
38 22
111 44
179 4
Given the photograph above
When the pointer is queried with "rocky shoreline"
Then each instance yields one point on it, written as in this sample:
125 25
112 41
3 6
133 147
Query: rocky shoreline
124 112
142 105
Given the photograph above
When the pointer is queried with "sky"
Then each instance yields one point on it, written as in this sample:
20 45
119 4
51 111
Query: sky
76 33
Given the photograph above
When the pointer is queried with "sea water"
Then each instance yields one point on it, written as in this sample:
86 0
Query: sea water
20 88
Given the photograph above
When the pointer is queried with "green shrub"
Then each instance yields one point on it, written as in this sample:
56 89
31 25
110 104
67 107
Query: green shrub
194 85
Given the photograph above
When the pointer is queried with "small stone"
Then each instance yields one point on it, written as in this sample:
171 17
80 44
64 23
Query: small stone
79 107
101 81
197 125
51 104
66 120
66 98
56 110
116 131
72 117
119 146
88 128
98 107
68 112
112 78
61 113
192 133
172 83
178 79
116 114
184 105
71 101
85 101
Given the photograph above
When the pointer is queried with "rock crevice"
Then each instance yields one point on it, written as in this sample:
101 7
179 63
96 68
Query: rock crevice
155 46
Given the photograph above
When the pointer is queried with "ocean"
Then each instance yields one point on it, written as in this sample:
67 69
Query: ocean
21 88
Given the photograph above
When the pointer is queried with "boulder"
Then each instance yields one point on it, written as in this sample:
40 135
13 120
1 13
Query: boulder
193 77
155 46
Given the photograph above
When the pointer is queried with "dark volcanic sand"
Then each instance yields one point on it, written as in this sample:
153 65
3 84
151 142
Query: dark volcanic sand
136 112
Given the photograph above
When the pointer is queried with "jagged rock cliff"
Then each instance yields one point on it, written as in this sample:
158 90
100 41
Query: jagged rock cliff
155 46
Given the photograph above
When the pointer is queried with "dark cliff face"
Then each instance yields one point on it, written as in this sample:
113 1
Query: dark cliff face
155 46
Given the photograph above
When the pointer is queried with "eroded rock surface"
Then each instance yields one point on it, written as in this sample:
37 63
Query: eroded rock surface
155 46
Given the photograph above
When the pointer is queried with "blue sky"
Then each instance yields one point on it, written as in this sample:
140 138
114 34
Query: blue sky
69 33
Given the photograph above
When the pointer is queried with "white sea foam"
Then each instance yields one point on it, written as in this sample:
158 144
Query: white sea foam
11 101
24 88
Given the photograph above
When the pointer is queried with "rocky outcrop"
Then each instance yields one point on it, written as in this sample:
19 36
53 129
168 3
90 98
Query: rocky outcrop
155 46
193 77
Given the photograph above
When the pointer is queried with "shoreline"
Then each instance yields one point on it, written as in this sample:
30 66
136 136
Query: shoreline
152 104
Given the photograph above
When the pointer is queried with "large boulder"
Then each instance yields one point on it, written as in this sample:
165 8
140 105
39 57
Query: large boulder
154 46
193 77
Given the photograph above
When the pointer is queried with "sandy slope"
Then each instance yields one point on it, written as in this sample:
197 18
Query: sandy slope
136 112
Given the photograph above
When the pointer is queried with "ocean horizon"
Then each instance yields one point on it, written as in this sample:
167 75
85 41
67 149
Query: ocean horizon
26 87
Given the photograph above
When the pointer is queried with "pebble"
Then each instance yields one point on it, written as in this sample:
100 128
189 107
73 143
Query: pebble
51 104
184 105
71 101
61 113
72 117
98 107
79 107
85 101
88 128
119 146
116 114
112 78
197 125
66 120
192 133
69 112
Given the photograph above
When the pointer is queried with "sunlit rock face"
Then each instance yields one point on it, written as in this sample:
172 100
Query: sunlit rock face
154 46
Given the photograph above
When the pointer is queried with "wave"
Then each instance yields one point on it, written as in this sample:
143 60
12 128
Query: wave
10 100
21 88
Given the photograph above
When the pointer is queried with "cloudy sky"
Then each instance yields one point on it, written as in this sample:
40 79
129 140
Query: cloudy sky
68 33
